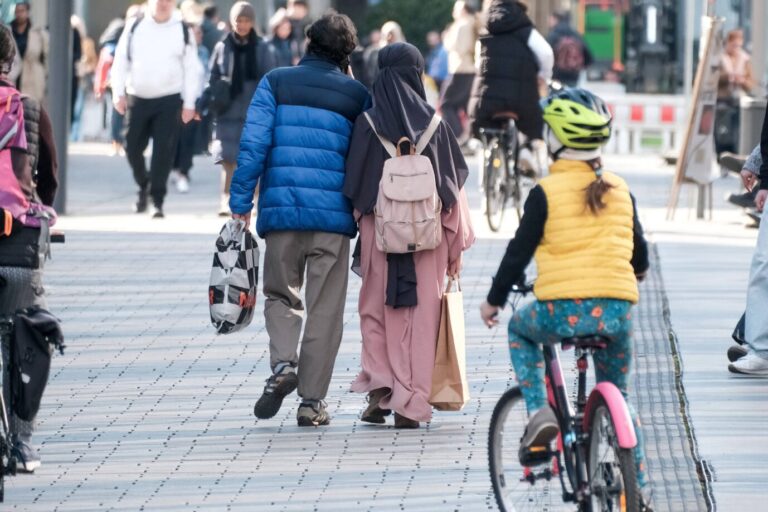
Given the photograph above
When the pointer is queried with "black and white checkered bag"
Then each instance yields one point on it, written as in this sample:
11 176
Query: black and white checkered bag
234 278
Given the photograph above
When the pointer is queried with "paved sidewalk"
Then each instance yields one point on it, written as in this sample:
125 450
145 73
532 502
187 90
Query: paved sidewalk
149 410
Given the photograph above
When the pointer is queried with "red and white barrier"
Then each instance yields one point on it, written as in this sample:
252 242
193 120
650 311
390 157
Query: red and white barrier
646 123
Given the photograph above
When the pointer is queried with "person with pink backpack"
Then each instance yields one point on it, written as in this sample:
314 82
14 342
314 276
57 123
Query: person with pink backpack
404 176
27 188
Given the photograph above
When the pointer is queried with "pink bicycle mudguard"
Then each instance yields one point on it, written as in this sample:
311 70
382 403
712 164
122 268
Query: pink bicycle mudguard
625 429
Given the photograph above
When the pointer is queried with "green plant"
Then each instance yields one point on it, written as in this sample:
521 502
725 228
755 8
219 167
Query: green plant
417 17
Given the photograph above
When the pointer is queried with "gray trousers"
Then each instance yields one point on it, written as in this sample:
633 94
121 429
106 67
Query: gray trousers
325 259
19 288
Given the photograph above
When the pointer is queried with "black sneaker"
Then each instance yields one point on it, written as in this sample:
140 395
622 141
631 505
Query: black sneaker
745 200
732 162
142 202
736 352
157 212
278 387
312 414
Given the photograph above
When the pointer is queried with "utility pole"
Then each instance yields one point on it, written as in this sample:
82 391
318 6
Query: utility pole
60 87
759 15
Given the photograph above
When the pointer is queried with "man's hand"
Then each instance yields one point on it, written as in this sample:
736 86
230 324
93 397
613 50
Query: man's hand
748 179
246 217
187 115
454 268
489 314
762 194
120 105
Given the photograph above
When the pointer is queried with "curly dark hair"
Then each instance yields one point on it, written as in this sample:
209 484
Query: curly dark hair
7 49
334 37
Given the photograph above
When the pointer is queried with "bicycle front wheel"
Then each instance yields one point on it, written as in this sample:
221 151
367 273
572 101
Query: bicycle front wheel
496 193
612 471
516 487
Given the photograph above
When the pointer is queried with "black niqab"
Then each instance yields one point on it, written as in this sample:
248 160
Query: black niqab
400 109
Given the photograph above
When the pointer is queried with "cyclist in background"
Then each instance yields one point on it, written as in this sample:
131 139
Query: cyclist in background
514 61
581 223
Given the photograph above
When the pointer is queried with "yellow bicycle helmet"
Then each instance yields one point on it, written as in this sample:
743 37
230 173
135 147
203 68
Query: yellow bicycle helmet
578 119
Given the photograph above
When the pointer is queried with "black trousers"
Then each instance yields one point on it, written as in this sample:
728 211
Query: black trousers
456 92
160 120
186 149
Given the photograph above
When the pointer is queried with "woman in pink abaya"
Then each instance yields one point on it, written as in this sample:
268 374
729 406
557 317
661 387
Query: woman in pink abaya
401 293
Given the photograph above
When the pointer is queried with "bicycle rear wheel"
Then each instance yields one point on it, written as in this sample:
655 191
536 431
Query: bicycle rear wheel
518 488
612 471
496 190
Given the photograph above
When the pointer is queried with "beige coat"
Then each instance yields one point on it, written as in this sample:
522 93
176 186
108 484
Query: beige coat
460 43
34 66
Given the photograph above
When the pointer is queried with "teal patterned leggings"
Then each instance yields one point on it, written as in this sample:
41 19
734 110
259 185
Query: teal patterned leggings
551 321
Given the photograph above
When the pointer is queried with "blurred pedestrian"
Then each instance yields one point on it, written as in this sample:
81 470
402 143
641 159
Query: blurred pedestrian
736 80
459 41
22 253
78 33
571 53
84 72
293 147
284 45
755 362
391 32
155 80
237 66
211 32
400 329
189 135
298 12
32 43
102 83
437 59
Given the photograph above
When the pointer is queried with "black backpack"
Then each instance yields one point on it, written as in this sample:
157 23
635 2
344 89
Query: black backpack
35 332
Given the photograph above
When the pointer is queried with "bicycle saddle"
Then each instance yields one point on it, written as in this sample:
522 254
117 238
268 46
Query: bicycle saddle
590 341
505 116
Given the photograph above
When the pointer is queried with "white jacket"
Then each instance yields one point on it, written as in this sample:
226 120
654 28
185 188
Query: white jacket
160 64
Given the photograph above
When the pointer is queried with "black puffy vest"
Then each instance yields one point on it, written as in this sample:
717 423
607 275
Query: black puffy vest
508 75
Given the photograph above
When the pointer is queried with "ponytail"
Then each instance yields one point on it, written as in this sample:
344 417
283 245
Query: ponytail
597 189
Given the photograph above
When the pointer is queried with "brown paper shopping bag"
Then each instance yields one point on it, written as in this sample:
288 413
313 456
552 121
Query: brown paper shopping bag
450 391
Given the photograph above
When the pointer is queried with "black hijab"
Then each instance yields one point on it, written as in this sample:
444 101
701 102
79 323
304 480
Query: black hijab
400 109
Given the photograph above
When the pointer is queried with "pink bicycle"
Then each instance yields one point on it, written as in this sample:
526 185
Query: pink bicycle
592 463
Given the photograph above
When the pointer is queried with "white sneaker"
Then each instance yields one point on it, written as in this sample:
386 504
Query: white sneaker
182 184
750 364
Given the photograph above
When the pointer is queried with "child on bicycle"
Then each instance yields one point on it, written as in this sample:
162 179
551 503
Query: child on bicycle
581 224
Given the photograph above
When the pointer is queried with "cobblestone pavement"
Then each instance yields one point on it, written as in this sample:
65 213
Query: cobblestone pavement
149 410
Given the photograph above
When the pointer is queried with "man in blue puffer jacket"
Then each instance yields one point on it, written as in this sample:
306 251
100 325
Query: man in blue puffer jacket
294 145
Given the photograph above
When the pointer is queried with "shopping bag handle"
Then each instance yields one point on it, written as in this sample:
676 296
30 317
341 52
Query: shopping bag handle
451 281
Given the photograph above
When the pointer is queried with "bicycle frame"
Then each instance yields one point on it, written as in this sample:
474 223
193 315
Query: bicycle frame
572 439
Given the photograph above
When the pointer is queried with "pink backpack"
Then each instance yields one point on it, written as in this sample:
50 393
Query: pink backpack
12 199
407 211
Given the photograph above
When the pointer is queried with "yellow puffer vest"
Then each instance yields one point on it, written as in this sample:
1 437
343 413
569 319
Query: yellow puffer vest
583 255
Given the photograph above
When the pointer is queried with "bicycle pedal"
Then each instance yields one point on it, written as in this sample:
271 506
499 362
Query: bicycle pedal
536 455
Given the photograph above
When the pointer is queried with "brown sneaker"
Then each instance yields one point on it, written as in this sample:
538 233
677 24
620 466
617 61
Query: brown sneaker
373 413
403 422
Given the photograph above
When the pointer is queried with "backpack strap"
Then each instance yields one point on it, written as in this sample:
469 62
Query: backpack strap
428 134
139 18
391 149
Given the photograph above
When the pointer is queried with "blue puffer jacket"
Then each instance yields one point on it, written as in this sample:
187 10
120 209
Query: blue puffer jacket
295 141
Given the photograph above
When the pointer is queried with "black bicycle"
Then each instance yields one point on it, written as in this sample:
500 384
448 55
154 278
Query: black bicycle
7 460
592 462
502 176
